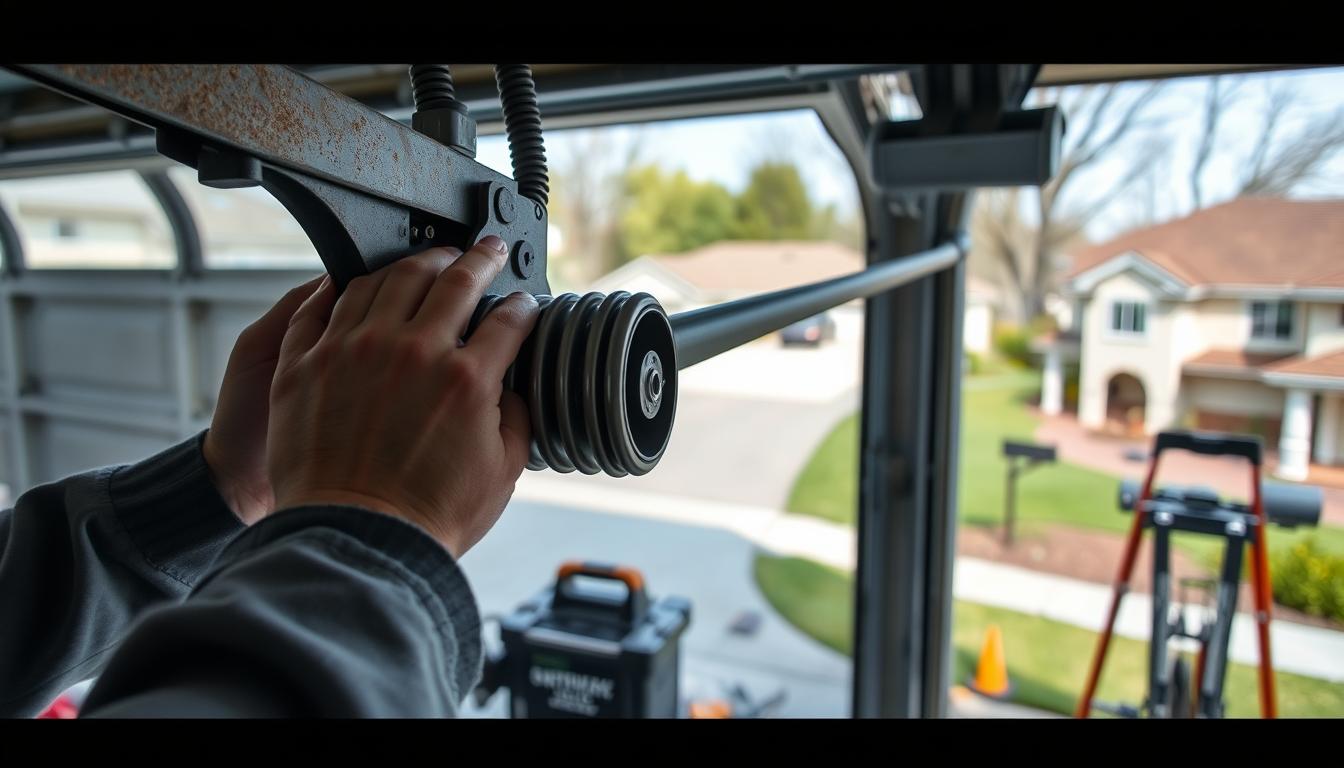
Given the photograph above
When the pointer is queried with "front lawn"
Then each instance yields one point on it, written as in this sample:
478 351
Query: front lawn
1062 493
1047 660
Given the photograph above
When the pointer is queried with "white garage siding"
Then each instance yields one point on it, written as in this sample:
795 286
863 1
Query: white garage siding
1245 398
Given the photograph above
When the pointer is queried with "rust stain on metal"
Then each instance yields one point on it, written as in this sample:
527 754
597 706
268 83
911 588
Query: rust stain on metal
254 106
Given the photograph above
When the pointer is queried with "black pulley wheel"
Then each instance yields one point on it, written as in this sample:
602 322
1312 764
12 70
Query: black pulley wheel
599 376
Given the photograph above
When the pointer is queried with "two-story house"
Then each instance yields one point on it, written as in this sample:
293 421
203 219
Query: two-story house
1229 319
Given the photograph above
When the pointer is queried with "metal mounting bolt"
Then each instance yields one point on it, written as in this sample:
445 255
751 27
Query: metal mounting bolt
653 385
504 208
415 234
651 382
429 231
524 260
537 208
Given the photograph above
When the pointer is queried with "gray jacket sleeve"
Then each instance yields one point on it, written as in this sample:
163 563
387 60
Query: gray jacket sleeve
80 559
312 612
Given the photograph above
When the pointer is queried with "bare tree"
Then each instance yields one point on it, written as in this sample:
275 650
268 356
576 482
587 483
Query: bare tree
1023 254
587 201
1276 167
1001 237
1215 104
1026 255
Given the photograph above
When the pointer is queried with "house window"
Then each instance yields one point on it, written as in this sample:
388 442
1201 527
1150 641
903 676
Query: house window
1271 319
1128 317
66 229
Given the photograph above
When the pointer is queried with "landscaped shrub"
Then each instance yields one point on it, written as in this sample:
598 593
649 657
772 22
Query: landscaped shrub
1310 579
1014 343
975 365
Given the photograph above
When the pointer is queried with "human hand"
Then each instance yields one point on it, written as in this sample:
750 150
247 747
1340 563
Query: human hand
377 403
235 445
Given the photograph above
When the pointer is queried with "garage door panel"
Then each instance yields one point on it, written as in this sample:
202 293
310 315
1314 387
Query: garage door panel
107 351
216 332
63 447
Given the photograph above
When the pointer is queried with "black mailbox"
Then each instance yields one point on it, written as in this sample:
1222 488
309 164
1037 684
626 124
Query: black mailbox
1029 450
1021 457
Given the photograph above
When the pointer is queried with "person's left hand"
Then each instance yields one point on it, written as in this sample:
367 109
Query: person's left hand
235 446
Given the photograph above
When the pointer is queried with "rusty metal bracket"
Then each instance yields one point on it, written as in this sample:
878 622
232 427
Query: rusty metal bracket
366 189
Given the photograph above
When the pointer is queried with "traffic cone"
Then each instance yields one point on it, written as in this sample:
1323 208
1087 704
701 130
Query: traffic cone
991 674
711 709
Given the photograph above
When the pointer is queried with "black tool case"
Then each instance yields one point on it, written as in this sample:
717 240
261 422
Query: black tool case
585 647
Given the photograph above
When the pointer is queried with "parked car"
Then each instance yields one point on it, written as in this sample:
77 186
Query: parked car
810 332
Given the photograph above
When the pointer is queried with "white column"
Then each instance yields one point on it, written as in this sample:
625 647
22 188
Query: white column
1295 435
1327 430
1052 383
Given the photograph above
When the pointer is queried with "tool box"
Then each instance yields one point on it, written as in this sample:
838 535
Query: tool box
594 645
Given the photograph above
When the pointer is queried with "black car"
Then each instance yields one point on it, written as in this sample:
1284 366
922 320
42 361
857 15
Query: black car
810 332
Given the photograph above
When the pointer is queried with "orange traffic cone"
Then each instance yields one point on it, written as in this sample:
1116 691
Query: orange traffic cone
991 674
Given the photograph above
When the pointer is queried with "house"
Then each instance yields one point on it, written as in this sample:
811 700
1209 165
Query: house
1230 319
732 269
83 234
111 220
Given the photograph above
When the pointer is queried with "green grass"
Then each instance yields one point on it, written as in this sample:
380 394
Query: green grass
1047 660
828 487
992 364
991 411
1060 493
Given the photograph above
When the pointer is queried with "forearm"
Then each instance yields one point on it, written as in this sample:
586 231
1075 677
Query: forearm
81 558
318 611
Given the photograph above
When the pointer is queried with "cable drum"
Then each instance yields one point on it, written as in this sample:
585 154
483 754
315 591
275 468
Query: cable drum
599 376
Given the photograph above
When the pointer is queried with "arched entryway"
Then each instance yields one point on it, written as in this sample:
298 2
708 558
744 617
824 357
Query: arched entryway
1126 404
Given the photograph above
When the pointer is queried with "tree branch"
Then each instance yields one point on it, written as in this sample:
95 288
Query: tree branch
1279 101
1214 106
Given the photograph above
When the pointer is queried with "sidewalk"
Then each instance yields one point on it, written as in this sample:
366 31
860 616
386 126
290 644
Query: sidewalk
1299 649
